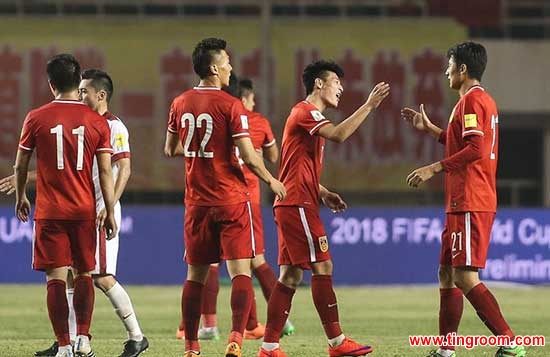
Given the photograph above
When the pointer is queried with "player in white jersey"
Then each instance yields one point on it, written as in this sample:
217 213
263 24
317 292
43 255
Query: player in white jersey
96 89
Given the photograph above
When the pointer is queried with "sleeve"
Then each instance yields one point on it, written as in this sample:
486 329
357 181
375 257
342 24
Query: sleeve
312 121
474 117
473 151
120 141
269 138
238 121
27 139
173 123
104 143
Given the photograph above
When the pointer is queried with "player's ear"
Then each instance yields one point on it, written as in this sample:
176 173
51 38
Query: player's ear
318 83
214 69
463 69
102 94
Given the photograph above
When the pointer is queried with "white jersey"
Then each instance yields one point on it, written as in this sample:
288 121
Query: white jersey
121 149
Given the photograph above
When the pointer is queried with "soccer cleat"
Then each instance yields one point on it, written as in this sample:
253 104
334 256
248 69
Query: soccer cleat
82 347
274 353
349 348
64 353
209 333
133 348
518 351
48 352
180 334
191 353
288 329
255 334
233 350
435 353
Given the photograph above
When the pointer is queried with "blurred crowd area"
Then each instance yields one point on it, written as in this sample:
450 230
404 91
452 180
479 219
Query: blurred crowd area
146 44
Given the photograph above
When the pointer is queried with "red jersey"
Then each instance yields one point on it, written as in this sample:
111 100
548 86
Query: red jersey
66 134
473 188
208 120
262 137
302 156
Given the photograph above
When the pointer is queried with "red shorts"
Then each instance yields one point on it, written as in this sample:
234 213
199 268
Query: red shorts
465 239
218 232
59 243
301 235
258 225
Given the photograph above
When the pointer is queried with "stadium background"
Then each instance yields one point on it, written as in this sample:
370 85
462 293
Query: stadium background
146 46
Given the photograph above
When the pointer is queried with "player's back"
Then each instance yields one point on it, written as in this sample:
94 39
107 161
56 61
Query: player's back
66 135
207 121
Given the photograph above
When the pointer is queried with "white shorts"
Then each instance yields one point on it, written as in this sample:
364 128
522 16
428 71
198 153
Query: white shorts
106 253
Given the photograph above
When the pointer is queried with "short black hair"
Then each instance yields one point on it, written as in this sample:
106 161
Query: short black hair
319 69
203 53
471 54
63 72
245 87
100 80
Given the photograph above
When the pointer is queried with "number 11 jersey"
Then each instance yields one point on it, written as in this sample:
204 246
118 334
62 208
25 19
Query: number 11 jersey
66 135
207 121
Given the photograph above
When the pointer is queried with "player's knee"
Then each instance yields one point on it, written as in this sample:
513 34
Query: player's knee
445 274
104 282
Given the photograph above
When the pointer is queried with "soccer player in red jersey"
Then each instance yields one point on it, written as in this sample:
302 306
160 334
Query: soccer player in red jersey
265 144
66 135
470 165
303 243
204 125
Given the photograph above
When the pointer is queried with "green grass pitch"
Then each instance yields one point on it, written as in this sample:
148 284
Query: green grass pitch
381 316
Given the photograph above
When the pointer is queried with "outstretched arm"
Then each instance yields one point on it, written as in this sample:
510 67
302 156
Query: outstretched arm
339 133
7 184
420 121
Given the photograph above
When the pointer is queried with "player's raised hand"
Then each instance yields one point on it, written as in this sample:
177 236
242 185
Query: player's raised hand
7 184
23 209
377 95
333 201
278 189
419 120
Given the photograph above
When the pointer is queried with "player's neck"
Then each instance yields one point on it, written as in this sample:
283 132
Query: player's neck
102 109
72 95
210 82
316 101
467 85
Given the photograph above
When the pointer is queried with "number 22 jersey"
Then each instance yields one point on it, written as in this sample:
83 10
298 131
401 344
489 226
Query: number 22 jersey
207 121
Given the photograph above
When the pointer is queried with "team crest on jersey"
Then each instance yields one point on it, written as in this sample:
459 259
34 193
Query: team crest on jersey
470 120
323 244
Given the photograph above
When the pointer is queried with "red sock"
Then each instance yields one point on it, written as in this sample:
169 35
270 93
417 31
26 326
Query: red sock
451 305
488 310
241 300
83 301
278 308
267 279
252 322
210 293
326 305
191 309
58 310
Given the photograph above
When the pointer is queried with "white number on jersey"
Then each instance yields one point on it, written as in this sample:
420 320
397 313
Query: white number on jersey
203 120
79 132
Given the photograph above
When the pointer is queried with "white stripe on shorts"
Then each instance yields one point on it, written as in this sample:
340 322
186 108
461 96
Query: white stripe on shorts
303 218
468 240
251 228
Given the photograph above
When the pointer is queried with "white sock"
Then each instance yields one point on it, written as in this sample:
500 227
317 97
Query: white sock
270 346
72 316
445 353
123 307
336 341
